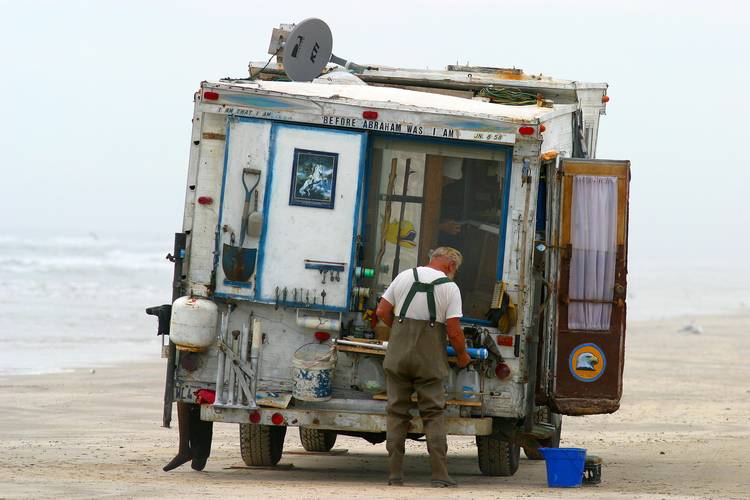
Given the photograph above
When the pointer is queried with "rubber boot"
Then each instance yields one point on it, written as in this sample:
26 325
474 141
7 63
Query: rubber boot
201 435
184 453
437 447
396 430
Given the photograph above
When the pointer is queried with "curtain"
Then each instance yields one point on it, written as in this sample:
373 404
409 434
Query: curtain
592 265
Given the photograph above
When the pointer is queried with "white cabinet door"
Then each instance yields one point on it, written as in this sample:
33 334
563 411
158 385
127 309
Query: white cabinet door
311 216
247 147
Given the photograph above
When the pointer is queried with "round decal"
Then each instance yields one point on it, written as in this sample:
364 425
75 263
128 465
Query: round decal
587 362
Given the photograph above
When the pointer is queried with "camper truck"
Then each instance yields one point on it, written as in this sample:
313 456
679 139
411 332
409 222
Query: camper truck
306 196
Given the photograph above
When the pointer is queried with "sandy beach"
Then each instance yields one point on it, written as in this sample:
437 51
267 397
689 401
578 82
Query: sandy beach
683 431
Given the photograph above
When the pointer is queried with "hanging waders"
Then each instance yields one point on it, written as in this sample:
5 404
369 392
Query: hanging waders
416 360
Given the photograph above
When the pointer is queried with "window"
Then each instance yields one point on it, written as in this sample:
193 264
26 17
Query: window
425 195
592 264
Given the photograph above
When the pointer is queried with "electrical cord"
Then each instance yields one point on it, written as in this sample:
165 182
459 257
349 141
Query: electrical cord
253 77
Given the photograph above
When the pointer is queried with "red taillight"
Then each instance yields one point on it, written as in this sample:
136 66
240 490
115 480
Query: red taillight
210 96
542 128
526 130
506 340
605 99
502 371
277 419
255 417
205 200
370 115
322 336
205 396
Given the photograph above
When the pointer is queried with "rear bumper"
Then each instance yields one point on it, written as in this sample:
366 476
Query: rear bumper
341 420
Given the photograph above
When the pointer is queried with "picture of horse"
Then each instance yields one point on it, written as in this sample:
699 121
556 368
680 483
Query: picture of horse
313 179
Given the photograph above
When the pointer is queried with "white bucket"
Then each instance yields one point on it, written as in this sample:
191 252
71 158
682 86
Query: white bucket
312 372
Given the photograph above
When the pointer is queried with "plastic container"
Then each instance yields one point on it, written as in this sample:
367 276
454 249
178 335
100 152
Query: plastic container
467 385
370 374
564 466
312 372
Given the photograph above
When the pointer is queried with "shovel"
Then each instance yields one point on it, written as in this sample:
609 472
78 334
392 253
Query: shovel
237 262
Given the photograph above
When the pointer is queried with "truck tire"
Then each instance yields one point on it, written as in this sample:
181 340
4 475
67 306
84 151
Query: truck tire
545 415
317 439
497 457
261 445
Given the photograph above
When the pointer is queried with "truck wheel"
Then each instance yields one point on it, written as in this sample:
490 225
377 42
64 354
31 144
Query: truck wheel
544 415
261 444
317 439
497 457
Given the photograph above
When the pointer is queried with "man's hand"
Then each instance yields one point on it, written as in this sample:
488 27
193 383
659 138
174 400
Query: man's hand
463 359
450 227
458 341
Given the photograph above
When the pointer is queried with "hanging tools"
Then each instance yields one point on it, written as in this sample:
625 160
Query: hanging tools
238 263
404 192
386 213
248 198
223 331
323 298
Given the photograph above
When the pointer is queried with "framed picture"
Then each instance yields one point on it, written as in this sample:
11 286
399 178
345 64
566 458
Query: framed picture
313 179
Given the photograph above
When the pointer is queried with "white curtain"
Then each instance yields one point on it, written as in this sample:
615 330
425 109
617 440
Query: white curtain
593 237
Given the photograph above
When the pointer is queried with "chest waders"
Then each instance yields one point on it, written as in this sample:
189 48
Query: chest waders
416 361
419 287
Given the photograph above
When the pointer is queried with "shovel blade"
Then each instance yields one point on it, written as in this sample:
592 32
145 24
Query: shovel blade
238 263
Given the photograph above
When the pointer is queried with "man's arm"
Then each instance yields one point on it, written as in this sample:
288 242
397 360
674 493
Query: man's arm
385 312
458 341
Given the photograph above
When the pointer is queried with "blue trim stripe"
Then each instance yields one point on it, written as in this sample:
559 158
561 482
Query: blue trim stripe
293 305
357 218
238 284
266 205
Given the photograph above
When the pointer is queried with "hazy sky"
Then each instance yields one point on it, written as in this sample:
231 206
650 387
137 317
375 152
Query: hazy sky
98 98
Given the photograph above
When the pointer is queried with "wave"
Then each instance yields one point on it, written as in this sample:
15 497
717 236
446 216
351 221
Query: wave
65 253
113 260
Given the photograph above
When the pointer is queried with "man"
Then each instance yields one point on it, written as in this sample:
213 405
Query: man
428 305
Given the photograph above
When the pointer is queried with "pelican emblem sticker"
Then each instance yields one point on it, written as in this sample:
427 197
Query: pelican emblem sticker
587 362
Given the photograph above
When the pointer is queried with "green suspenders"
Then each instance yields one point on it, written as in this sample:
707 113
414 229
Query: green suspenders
419 287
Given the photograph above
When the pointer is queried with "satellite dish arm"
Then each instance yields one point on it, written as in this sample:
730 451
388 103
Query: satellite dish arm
353 67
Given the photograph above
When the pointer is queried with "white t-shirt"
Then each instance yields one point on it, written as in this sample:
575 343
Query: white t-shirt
447 296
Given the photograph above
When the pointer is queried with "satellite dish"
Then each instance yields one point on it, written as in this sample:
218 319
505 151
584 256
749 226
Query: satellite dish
307 50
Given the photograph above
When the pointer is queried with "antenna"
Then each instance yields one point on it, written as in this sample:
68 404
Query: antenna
306 49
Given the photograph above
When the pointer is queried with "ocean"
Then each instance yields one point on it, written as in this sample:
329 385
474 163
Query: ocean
79 301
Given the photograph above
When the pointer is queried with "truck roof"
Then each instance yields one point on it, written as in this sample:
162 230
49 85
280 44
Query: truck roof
454 78
398 99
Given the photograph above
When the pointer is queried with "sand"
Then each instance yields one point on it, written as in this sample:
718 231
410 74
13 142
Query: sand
683 431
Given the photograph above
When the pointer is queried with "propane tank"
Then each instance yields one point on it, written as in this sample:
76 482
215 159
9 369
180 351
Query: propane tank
193 323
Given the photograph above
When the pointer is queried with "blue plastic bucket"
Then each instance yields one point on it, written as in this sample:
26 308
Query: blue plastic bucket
564 466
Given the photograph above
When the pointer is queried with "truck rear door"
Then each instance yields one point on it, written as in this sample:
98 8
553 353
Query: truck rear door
589 341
